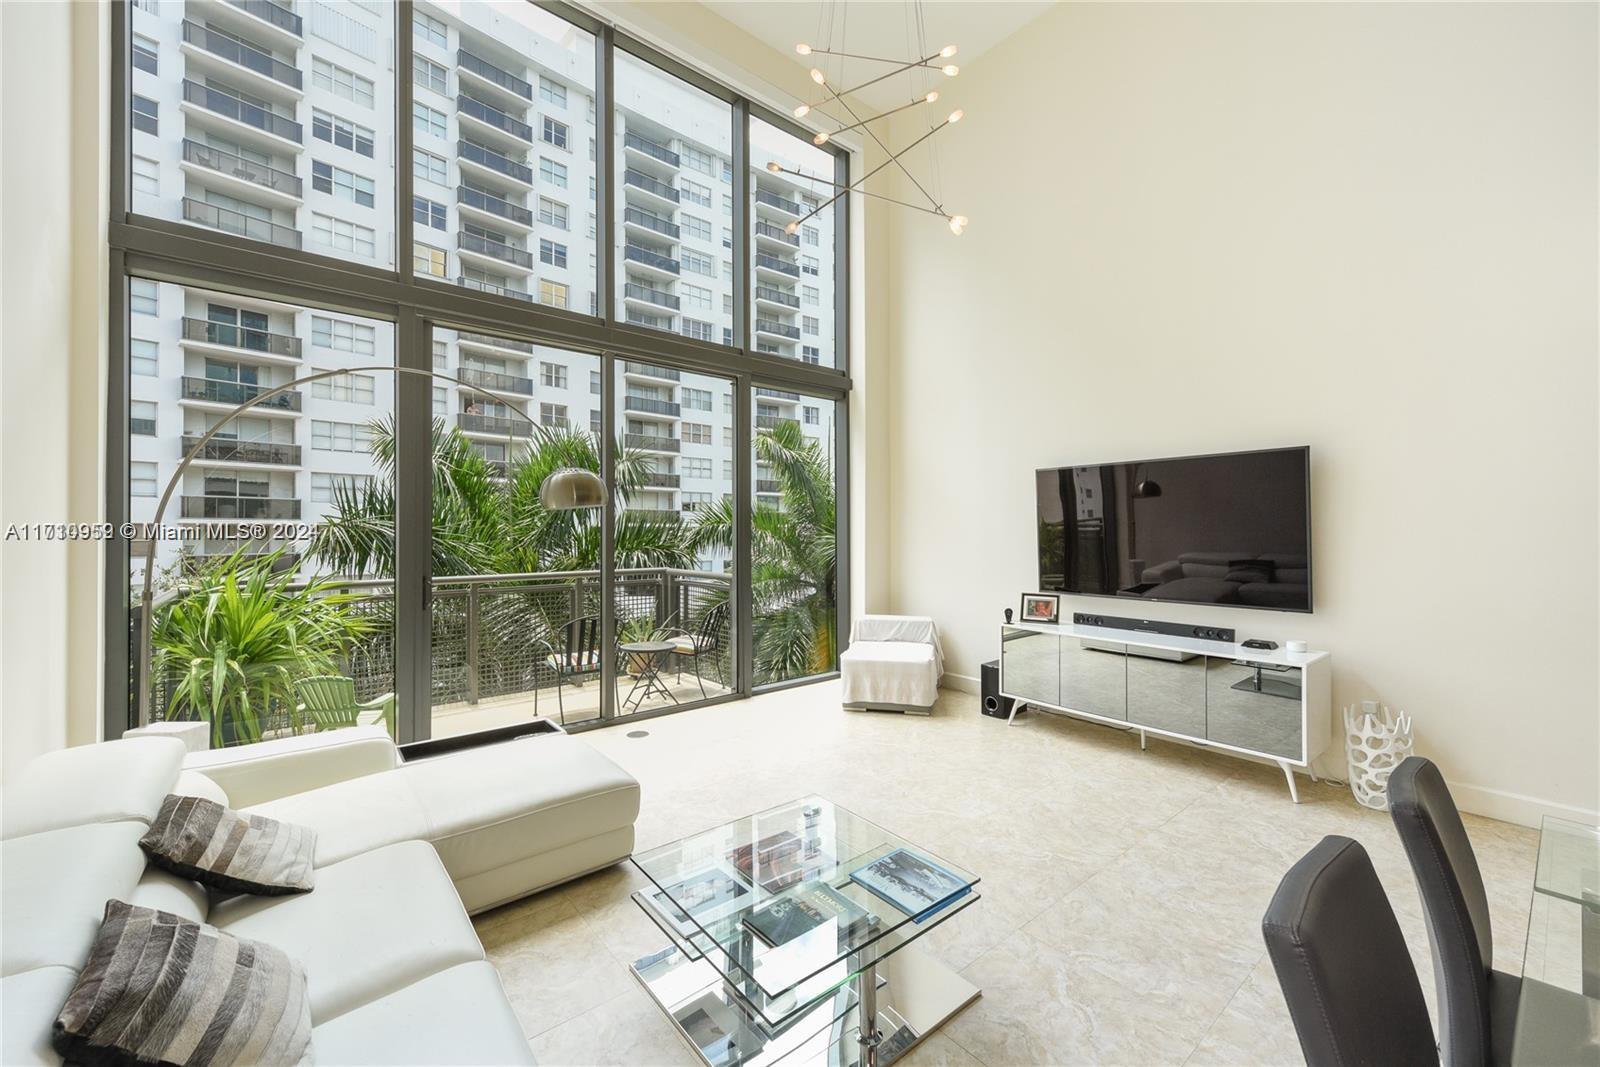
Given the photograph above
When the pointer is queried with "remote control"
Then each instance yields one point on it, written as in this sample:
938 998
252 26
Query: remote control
1256 642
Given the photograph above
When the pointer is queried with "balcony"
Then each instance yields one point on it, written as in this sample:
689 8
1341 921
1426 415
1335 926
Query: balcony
634 216
659 297
781 266
773 200
225 335
488 247
494 162
500 383
650 370
242 55
499 207
220 391
271 13
633 142
778 394
777 233
767 486
767 294
498 425
493 75
768 423
645 442
655 514
239 507
655 322
467 337
651 406
235 222
494 118
661 480
247 114
237 168
491 287
230 450
640 254
778 329
642 181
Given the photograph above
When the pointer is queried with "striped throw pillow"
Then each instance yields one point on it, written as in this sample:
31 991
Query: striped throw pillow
159 988
218 847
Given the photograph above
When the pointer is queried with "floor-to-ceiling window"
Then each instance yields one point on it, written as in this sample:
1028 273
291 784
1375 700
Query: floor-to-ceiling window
561 255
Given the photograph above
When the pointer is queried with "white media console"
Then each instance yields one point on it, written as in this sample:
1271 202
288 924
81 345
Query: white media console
1272 704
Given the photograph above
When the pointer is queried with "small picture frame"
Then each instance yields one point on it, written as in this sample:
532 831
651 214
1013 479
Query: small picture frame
1041 607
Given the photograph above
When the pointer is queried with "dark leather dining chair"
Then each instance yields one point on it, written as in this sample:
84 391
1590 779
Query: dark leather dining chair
1343 965
1477 1004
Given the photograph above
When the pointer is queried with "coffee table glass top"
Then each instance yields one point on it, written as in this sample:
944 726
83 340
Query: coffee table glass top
805 892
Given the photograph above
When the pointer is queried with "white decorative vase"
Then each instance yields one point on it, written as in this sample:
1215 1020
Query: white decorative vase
1375 741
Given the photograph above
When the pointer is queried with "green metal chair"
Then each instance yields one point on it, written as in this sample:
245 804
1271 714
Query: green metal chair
329 700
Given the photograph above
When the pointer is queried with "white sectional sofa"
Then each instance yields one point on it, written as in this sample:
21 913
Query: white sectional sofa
395 971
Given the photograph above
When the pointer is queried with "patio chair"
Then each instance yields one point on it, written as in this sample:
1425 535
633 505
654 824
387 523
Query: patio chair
706 640
578 655
329 700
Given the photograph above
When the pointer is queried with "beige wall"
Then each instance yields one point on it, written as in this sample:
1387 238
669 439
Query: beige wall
1366 228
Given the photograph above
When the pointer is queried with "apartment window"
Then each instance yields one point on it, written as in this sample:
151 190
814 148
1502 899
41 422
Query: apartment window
594 423
553 375
727 403
144 296
809 235
142 417
552 293
441 402
700 331
727 172
552 253
427 167
329 436
552 92
343 235
696 433
594 382
809 324
553 415
811 416
694 192
427 212
809 295
695 466
324 485
553 172
696 227
727 269
428 74
342 133
727 470
425 259
146 176
427 28
142 479
145 54
341 82
696 399
552 213
727 238
144 357
699 159
554 132
146 115
695 296
345 388
696 263
808 265
727 203
342 336
810 354
426 120
326 178
439 350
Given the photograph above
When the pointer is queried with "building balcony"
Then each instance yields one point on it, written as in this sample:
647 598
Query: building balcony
768 423
483 340
644 146
491 287
778 203
232 394
765 231
644 442
777 329
497 253
778 394
649 405
270 74
235 222
500 383
768 487
645 294
777 266
661 480
645 220
655 514
650 370
239 339
482 72
653 260
239 507
275 15
252 453
492 120
655 322
493 163
638 179
242 117
493 425
766 294
238 174
498 209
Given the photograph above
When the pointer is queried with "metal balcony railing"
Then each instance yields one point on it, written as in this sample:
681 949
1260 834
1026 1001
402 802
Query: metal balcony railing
781 203
232 107
777 394
641 217
491 287
495 424
767 485
655 322
772 422
220 391
778 329
236 222
225 162
658 514
238 52
498 342
651 370
777 233
650 443
653 149
661 480
230 450
651 405
240 507
649 295
494 205
493 116
641 254
222 333
640 180
782 266
495 161
777 296
500 383
489 72
267 11
486 246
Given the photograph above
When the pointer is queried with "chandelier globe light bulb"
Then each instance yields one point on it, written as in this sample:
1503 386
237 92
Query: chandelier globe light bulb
958 224
818 77
951 70
947 51
931 97
775 167
955 116
820 139
802 111
792 228
803 49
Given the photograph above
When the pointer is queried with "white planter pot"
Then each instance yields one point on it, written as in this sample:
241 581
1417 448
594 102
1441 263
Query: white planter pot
1375 741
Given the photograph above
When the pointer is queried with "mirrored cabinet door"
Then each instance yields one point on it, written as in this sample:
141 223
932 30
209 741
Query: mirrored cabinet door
1255 706
1094 677
1030 665
1168 694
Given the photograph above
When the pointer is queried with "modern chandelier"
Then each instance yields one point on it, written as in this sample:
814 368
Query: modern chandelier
919 72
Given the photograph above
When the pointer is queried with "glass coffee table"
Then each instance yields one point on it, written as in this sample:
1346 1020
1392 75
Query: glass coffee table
793 936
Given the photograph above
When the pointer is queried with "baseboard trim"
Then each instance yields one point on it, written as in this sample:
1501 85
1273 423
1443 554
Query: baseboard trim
961 683
1515 807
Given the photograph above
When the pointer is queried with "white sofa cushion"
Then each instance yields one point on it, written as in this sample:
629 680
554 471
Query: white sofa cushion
374 924
402 1028
110 782
254 774
55 886
29 1002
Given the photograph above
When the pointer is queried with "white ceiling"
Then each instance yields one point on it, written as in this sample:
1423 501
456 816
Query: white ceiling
879 28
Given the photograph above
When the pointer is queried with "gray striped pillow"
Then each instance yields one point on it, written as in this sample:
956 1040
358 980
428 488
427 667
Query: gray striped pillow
218 847
159 988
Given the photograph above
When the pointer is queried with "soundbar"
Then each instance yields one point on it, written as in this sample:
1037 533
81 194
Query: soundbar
1155 626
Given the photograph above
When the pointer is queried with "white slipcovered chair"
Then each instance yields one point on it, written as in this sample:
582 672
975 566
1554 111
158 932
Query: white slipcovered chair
893 664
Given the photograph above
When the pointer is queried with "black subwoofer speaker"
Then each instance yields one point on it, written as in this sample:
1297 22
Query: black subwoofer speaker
993 703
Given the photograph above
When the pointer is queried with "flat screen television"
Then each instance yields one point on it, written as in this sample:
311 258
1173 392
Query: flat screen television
1231 529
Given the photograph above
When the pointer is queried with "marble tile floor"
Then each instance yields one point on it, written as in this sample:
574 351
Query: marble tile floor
1122 890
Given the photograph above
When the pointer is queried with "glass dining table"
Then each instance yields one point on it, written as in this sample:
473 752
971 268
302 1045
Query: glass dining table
1558 1008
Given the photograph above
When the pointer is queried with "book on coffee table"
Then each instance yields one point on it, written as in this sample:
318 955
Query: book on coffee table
774 862
914 884
801 910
